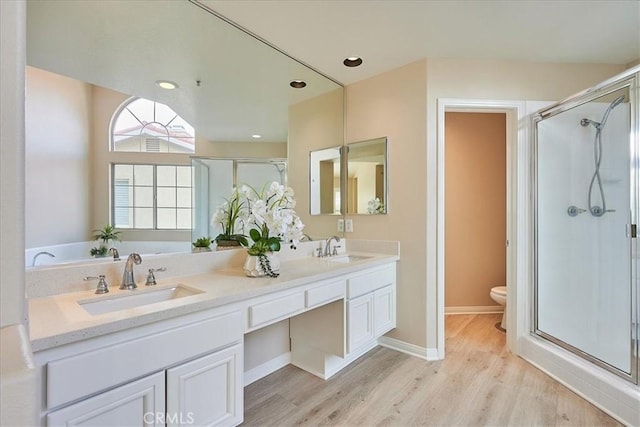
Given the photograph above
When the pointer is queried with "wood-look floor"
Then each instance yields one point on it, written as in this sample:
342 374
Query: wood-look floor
478 384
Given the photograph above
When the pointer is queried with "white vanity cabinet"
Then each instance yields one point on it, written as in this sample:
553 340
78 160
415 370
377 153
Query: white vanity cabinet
207 391
187 370
359 309
370 306
136 403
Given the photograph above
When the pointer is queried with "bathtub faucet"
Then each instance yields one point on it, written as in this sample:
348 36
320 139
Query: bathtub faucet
115 254
128 282
35 257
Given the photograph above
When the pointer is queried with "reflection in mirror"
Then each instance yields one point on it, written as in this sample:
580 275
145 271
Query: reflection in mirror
324 181
85 59
367 177
215 179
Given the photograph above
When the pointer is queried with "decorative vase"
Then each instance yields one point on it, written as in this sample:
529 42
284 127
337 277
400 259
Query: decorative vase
201 249
227 244
268 266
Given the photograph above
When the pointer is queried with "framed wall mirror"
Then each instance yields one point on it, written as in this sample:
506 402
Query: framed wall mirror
367 186
324 181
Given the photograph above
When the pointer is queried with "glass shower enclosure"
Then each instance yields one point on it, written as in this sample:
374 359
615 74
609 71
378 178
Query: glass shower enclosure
215 178
586 179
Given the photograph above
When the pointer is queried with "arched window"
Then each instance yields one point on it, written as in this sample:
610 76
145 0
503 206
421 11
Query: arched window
147 194
146 126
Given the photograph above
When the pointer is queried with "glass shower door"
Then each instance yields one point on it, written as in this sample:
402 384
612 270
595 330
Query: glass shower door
583 273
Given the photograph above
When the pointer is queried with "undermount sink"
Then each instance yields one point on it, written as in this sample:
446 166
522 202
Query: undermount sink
136 298
348 258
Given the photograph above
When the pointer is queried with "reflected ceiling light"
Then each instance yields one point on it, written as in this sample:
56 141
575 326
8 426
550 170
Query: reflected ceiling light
298 84
166 84
256 136
352 61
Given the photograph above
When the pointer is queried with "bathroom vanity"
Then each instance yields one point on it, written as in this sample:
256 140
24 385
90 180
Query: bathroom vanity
176 355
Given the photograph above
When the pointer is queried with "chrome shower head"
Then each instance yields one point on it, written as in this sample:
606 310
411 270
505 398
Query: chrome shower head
617 102
611 106
586 122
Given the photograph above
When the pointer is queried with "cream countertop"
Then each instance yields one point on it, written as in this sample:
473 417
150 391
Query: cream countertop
58 319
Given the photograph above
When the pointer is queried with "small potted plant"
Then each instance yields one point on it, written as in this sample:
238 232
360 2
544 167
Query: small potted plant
98 251
230 215
104 235
202 244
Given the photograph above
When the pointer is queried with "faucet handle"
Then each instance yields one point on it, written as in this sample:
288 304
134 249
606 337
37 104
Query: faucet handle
335 250
103 287
151 278
320 255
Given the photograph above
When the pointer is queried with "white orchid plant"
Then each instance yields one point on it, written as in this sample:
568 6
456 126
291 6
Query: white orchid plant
269 215
375 206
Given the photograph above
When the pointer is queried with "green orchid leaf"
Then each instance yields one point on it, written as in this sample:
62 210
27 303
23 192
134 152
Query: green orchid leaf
255 235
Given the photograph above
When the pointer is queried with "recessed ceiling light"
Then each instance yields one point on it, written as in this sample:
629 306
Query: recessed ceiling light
166 84
256 136
298 84
352 61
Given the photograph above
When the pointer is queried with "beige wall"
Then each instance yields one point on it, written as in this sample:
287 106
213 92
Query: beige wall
394 105
313 124
58 136
249 150
475 207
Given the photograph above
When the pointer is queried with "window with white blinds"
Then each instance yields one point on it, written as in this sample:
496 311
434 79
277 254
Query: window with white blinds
148 196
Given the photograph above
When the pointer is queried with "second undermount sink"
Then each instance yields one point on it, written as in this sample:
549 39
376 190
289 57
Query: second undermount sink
348 258
136 298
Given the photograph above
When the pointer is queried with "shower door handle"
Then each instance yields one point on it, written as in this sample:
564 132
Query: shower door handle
632 231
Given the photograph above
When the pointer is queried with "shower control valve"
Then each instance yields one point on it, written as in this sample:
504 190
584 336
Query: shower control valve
575 211
598 211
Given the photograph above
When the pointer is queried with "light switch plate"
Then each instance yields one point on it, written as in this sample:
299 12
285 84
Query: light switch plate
341 225
349 225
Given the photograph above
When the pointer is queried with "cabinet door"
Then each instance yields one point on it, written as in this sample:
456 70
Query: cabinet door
207 391
135 404
385 310
360 321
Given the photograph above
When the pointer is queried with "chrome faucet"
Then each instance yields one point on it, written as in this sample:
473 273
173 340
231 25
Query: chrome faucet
327 246
128 282
35 257
115 254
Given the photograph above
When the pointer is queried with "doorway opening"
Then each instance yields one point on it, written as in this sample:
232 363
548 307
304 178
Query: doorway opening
509 113
475 211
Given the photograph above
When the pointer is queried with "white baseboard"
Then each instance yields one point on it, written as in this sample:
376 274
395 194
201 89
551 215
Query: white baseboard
480 309
261 371
410 349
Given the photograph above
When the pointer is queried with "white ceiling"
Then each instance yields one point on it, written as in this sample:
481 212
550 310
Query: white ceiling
391 33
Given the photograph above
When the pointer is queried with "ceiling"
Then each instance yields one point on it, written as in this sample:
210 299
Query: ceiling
391 33
231 86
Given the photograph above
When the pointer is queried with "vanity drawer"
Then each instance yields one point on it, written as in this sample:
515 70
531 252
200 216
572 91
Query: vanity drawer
87 373
276 309
325 293
371 280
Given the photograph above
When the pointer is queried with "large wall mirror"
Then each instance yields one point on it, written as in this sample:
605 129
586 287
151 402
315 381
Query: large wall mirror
87 58
324 181
367 187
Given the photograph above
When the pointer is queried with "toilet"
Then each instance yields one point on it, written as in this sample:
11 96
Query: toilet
499 295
